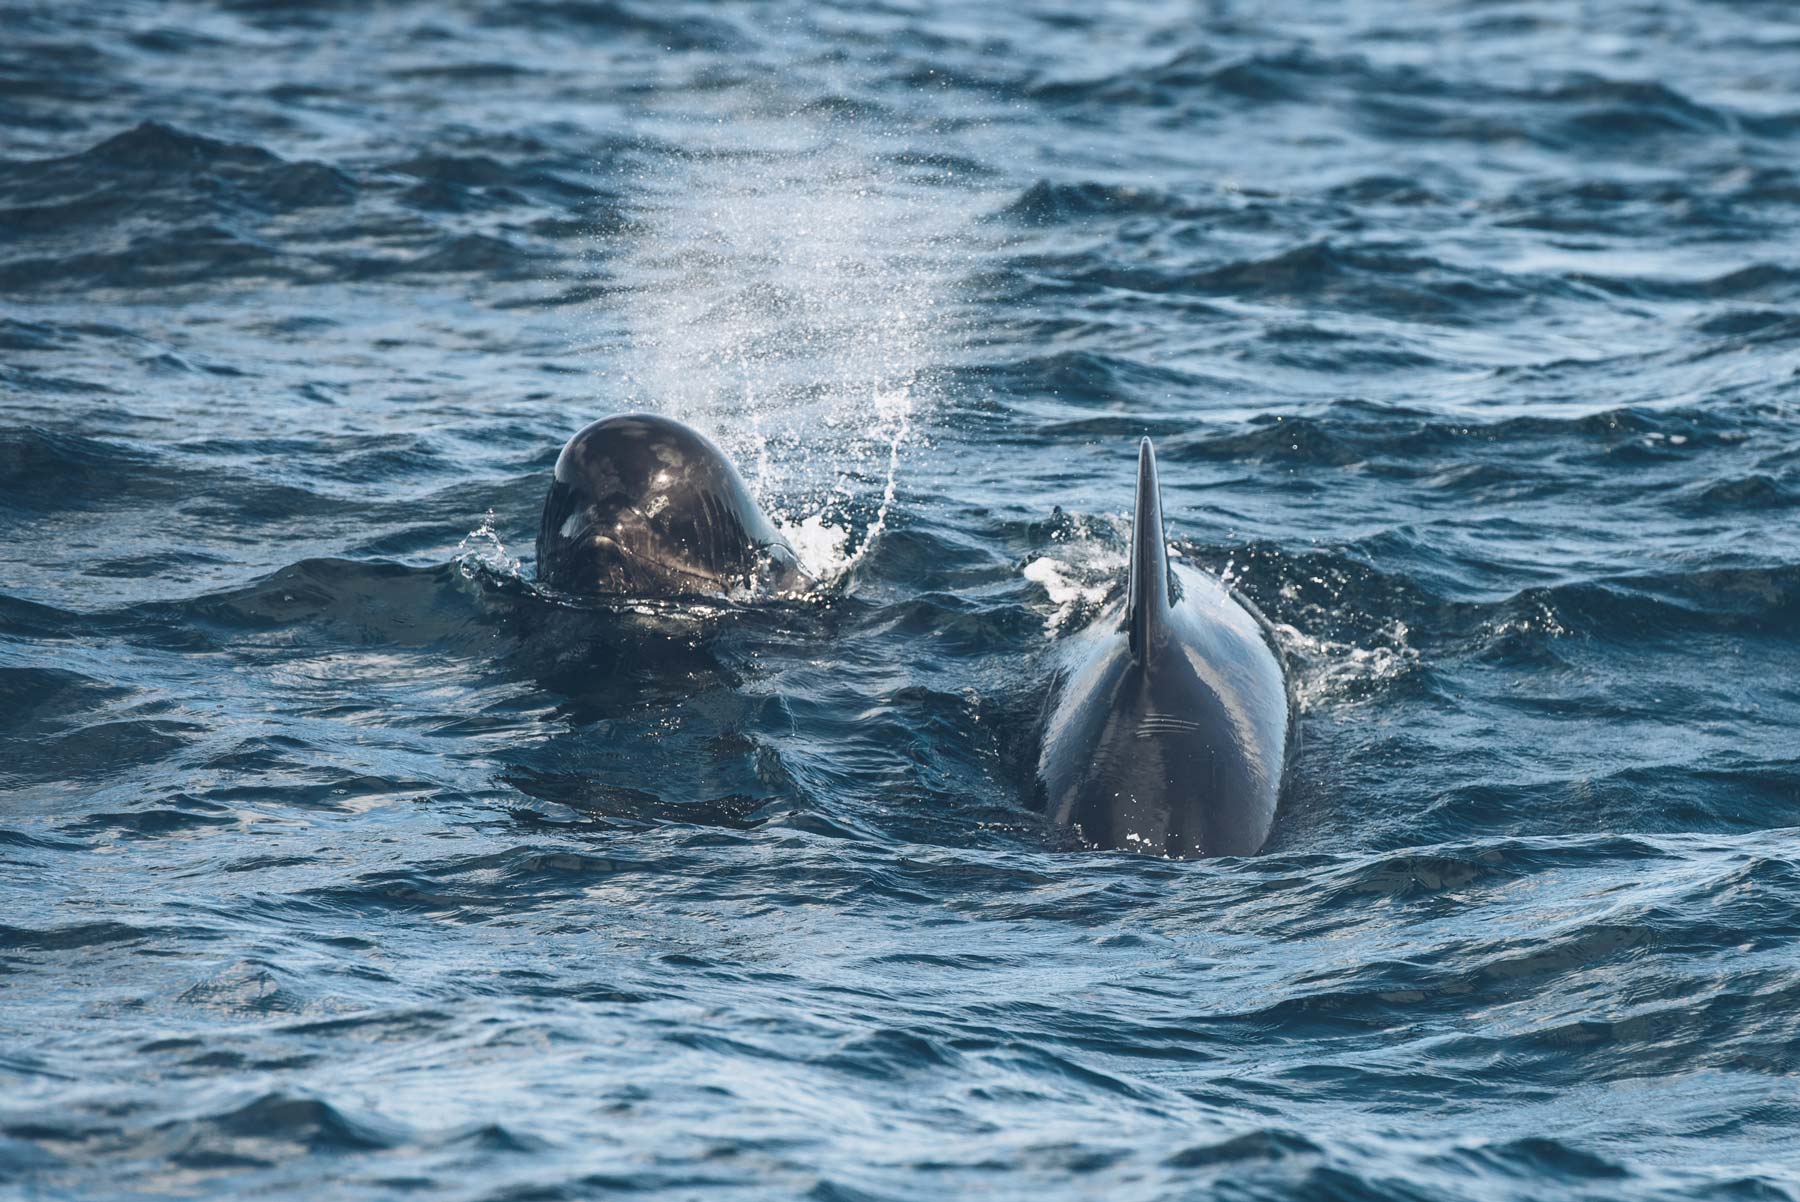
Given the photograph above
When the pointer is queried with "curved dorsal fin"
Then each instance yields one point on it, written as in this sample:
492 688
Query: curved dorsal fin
1148 591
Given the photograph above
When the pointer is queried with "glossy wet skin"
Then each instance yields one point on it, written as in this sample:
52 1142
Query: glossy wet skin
1167 731
1182 757
644 506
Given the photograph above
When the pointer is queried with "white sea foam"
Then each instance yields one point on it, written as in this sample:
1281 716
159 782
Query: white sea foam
1329 670
1089 564
1066 589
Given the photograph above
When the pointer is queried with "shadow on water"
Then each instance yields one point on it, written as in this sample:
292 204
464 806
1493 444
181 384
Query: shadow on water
658 715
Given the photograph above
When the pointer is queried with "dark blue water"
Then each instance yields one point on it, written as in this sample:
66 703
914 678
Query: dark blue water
337 861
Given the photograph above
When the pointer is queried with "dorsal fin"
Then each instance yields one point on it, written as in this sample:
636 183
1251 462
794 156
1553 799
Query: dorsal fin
1148 590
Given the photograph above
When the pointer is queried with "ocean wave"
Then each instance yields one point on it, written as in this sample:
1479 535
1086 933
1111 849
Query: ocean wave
612 18
71 938
1388 280
214 202
231 1138
160 168
1047 203
1356 432
1088 378
375 603
46 470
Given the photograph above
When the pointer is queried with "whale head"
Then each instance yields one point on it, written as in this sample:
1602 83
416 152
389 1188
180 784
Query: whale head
644 506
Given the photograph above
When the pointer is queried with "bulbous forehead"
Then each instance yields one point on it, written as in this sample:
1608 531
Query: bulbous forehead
631 450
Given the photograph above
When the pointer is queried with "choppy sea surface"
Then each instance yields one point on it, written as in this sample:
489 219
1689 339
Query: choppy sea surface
338 860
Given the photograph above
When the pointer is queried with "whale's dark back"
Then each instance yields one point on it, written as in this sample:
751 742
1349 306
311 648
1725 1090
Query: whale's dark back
1168 732
645 506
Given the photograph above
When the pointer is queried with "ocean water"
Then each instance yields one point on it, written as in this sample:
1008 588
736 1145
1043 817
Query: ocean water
337 860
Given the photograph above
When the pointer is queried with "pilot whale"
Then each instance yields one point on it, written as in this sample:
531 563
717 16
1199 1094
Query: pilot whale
1167 731
643 506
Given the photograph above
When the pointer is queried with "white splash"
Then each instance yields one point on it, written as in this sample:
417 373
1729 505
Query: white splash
790 301
482 551
1086 571
1327 670
1089 566
818 543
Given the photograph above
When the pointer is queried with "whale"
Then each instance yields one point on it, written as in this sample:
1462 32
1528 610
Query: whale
1167 726
643 506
